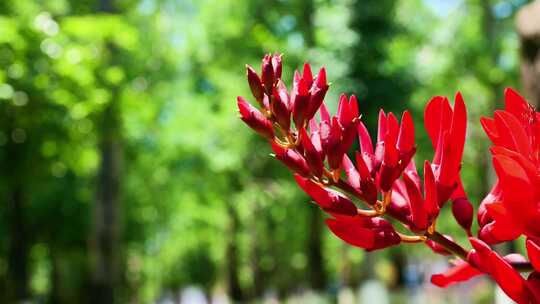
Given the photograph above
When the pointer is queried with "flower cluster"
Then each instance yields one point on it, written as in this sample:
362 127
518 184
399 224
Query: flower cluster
368 191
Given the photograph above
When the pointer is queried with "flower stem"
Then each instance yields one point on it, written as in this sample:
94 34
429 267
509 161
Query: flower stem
447 244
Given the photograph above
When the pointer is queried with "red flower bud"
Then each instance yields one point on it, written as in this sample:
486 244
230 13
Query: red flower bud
255 84
292 159
463 213
347 110
367 184
268 74
353 177
329 200
332 144
325 115
389 171
279 105
277 65
307 75
365 140
318 92
367 233
255 119
313 156
300 103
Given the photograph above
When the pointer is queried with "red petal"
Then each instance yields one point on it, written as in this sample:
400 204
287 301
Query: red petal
458 128
533 251
352 233
391 155
406 133
301 103
503 227
512 133
330 201
381 128
459 273
325 115
502 272
416 203
280 107
353 106
353 177
515 103
292 159
437 118
307 75
313 157
321 79
255 83
533 282
267 74
343 110
367 233
365 140
277 64
515 184
438 248
430 189
488 124
255 119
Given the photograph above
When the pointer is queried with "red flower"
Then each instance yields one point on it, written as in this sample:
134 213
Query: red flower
384 176
511 208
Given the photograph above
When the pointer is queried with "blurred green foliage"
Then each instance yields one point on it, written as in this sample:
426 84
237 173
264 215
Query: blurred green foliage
202 202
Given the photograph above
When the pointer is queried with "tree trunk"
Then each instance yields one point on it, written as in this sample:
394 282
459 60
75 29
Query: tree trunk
105 245
56 288
528 29
106 242
255 253
18 245
233 282
18 248
317 275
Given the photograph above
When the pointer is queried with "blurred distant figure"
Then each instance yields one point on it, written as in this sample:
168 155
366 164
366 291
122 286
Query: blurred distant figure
270 297
220 297
373 291
193 295
346 296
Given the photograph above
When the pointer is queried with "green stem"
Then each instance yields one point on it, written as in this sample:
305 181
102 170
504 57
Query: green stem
449 245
